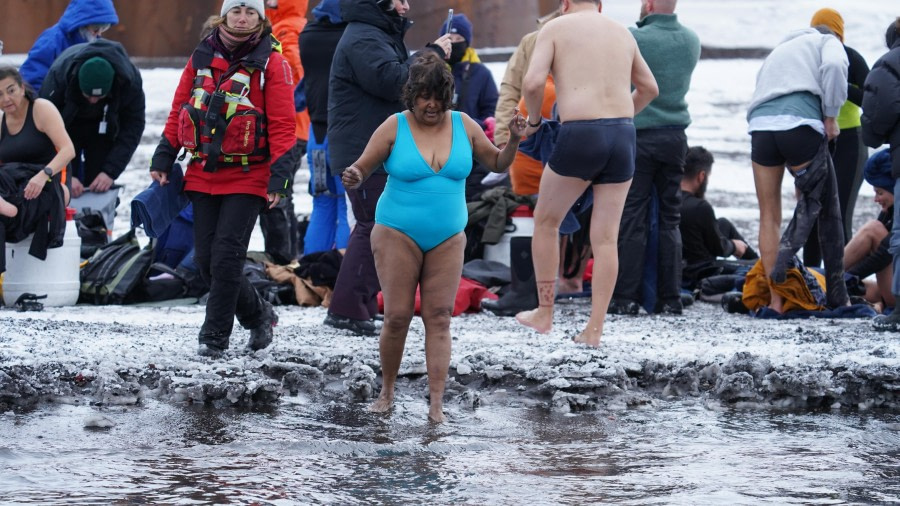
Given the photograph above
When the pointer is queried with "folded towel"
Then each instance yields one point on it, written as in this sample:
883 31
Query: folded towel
157 206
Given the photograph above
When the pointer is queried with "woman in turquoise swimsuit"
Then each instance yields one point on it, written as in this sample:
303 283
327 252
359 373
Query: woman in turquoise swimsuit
418 237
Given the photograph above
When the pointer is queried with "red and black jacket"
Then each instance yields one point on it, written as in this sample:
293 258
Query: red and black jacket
236 121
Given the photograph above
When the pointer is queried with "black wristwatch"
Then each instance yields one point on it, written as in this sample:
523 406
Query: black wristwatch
534 125
48 171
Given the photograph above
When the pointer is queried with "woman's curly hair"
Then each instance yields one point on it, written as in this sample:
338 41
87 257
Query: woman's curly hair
429 76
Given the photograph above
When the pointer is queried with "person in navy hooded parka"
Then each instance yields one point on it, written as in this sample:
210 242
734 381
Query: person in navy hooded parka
83 21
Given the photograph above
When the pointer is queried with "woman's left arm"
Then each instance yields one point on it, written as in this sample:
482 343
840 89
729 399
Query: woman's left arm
279 93
47 119
496 160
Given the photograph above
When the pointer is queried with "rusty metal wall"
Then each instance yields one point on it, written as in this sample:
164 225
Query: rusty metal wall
163 28
146 28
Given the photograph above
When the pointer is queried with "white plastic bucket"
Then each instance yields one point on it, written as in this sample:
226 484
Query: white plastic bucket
521 226
57 276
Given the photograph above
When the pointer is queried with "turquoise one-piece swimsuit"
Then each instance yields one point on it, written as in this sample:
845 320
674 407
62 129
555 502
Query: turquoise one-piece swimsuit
428 206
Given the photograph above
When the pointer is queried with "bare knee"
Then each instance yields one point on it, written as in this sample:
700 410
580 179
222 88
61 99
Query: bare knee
397 324
437 318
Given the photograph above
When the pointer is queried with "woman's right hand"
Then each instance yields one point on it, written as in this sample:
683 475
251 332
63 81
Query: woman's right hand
351 178
160 177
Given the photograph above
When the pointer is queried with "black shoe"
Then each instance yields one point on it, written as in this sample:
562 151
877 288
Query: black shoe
733 302
522 292
889 323
672 307
623 306
687 299
505 306
358 327
206 350
261 335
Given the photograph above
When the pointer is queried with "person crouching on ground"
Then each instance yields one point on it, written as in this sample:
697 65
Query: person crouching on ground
221 89
418 237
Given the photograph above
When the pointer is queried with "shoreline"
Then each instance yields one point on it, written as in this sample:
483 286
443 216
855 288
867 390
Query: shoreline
704 355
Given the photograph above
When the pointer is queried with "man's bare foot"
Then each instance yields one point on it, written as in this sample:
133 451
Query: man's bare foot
7 209
540 319
436 415
382 405
590 339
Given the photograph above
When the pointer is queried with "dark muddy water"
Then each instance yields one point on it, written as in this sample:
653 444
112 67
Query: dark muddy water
305 453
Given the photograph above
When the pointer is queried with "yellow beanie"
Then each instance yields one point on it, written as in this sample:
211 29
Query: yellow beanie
830 18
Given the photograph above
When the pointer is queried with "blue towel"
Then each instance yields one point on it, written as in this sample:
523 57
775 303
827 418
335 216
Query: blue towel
157 206
854 311
540 145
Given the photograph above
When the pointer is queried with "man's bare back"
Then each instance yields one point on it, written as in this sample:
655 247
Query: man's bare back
594 62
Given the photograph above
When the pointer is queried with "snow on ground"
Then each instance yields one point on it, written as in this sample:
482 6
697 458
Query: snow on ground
120 354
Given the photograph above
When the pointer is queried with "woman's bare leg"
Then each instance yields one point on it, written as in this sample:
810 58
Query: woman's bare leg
557 194
609 201
864 242
398 261
883 278
7 209
768 193
441 271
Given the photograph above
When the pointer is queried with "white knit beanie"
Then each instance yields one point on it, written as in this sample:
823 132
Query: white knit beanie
259 5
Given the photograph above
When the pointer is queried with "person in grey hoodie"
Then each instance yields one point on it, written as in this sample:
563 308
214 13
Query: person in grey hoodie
799 91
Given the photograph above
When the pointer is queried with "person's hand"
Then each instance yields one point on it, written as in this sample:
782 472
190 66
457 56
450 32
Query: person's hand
35 185
832 129
351 178
77 187
101 183
444 43
740 247
273 199
517 125
160 177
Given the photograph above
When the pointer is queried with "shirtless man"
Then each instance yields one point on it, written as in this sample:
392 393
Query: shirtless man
594 62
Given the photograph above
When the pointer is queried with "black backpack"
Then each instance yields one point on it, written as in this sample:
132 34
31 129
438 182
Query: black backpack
113 272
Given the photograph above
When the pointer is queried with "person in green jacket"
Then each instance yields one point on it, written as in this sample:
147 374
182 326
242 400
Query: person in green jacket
672 51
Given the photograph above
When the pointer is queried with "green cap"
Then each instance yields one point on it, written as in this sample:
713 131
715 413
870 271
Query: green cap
95 77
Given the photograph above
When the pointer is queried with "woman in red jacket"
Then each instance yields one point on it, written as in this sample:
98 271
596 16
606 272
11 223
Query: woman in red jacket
233 112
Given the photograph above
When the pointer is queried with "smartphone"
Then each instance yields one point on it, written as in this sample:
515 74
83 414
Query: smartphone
449 19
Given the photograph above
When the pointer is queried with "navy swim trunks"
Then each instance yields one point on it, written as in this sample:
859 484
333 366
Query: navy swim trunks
598 150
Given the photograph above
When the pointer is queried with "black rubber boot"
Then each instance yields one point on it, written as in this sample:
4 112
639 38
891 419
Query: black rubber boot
522 293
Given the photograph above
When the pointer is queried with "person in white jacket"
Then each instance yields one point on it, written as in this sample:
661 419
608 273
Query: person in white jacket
799 91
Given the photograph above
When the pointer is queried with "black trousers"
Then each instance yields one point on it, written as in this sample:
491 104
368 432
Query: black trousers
222 228
357 286
849 156
659 167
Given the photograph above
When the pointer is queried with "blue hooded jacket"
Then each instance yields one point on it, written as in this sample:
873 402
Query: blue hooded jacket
62 35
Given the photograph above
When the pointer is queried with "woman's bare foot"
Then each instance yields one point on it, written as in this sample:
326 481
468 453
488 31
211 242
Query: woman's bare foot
540 319
383 404
7 209
436 414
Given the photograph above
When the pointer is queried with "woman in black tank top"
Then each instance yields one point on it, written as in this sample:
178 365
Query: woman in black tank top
31 131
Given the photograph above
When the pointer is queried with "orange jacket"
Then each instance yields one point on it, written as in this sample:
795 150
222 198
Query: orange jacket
794 290
525 173
288 21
